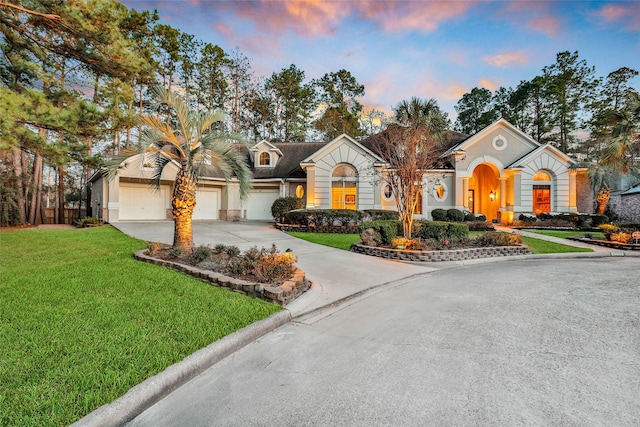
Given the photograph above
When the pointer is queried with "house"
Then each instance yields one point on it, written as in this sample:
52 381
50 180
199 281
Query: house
499 172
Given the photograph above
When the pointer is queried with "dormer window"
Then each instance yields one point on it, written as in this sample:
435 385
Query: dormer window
265 159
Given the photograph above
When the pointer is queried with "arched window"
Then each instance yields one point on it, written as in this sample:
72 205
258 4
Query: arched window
541 192
344 187
265 159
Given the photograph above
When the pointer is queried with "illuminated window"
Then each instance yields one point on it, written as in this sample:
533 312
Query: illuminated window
265 159
299 191
541 192
440 191
344 183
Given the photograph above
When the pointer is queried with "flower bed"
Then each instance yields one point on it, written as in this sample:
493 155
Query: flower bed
281 294
440 255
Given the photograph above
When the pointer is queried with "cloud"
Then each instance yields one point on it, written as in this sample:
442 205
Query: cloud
507 59
304 17
627 15
400 16
538 16
487 83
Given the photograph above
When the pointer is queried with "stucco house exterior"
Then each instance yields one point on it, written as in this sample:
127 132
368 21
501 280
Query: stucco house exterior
499 172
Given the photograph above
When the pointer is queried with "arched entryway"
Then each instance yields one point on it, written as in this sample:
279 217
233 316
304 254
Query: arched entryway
484 191
344 187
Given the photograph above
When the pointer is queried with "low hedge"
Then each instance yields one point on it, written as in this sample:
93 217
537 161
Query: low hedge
439 230
320 217
455 215
387 230
282 205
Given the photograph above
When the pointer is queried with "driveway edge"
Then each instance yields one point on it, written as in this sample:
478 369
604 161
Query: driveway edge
147 393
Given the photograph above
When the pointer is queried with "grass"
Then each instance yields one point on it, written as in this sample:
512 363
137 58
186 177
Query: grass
81 322
565 234
334 240
344 241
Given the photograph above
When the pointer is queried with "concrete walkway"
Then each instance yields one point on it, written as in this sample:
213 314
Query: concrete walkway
337 275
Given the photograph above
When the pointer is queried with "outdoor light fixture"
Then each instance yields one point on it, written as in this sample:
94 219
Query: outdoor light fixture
492 196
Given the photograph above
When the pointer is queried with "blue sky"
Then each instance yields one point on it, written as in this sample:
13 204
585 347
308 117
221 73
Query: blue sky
399 49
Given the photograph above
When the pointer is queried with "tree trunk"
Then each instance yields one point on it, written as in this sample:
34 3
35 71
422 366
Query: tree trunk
36 191
602 200
16 155
61 218
183 202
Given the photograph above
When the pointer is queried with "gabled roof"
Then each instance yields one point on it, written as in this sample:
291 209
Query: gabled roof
451 139
267 146
478 136
327 148
535 153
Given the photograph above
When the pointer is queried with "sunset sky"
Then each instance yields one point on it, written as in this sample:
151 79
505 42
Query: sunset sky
399 49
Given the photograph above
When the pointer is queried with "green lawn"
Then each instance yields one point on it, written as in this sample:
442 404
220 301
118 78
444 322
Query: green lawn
344 241
565 234
81 321
334 240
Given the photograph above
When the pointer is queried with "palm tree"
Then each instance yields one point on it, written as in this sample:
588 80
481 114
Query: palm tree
623 152
188 139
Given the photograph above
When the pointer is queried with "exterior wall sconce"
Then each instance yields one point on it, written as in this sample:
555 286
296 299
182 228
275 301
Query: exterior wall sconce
492 196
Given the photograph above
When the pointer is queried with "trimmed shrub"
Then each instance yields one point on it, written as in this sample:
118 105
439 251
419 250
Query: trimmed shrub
438 230
480 226
319 217
468 217
388 230
527 218
283 205
498 239
439 215
596 220
455 215
380 214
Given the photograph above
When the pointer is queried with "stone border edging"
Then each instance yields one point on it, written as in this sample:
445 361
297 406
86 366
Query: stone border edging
437 256
607 243
281 295
153 389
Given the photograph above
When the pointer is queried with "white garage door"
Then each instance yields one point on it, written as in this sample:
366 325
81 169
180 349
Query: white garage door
259 202
207 203
141 202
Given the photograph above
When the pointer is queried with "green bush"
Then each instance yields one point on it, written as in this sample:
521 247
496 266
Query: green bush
322 217
381 215
438 230
88 221
283 205
481 217
455 215
201 253
439 215
498 239
469 217
388 230
527 218
480 226
596 220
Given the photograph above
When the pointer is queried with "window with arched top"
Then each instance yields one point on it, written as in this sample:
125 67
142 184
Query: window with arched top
541 192
344 187
265 159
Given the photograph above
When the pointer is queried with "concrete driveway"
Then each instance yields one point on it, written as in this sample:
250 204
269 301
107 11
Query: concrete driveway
530 342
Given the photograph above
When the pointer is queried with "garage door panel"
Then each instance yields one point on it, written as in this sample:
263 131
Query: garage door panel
141 202
258 204
207 203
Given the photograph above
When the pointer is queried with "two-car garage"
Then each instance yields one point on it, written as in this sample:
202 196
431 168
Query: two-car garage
143 202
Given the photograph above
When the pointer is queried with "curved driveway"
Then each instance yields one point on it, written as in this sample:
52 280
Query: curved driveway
553 342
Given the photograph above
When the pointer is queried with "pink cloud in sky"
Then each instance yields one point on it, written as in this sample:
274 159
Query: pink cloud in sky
487 83
507 59
396 15
629 15
538 16
304 17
